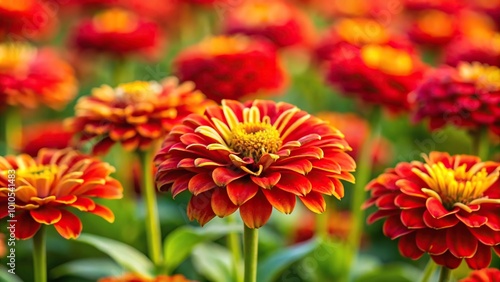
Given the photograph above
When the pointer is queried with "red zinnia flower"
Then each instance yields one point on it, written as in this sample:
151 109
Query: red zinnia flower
25 19
339 226
29 77
45 135
485 50
48 185
117 32
231 67
277 21
448 207
253 157
130 277
467 96
483 275
377 74
134 114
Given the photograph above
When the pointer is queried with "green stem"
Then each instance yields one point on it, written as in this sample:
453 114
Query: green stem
13 133
153 231
322 225
251 239
233 242
444 275
480 143
120 72
428 271
40 256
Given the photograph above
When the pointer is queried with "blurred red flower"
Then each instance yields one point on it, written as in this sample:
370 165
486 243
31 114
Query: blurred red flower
52 182
485 50
29 77
448 206
51 134
483 275
467 96
130 277
231 67
134 114
376 74
339 226
253 157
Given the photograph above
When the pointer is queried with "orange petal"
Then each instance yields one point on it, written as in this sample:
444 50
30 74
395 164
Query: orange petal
256 212
314 201
242 190
281 200
321 183
70 226
294 183
103 212
266 181
46 215
200 208
201 183
84 204
301 166
103 146
221 204
149 130
222 176
180 184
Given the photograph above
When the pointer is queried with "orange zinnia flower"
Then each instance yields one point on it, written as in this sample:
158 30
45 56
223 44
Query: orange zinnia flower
483 275
29 77
467 96
253 157
134 114
48 185
448 207
130 277
231 67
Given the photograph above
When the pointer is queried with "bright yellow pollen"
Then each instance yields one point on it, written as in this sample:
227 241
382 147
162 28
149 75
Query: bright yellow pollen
388 60
16 56
485 76
436 23
457 186
38 171
115 20
219 45
138 91
16 5
254 139
263 13
362 31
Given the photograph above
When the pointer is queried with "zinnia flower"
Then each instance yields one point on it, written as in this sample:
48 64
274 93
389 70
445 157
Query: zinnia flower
467 96
52 134
448 207
29 77
25 19
134 114
117 32
277 21
483 275
48 185
130 277
231 67
339 226
253 157
485 50
377 74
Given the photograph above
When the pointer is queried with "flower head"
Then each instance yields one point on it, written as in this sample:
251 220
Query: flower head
483 275
134 114
50 134
29 77
467 96
49 185
231 67
377 74
253 157
23 19
485 50
447 206
130 277
117 32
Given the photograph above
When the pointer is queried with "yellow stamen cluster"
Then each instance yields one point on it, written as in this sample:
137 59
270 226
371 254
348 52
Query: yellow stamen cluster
16 56
37 171
254 139
387 59
115 20
219 45
138 91
485 76
263 13
457 186
362 31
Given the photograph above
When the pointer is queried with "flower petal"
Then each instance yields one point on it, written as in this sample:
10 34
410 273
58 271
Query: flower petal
256 212
447 259
46 215
281 200
241 190
201 183
412 218
472 219
221 204
436 208
84 204
405 201
486 235
294 183
70 226
314 201
321 183
442 223
301 166
481 259
200 207
431 241
222 175
103 212
393 228
266 181
408 247
29 226
461 242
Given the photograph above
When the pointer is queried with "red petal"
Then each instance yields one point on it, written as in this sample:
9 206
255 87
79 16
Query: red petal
256 212
380 214
461 242
472 219
447 259
410 188
493 219
104 212
436 208
281 200
481 259
299 166
201 183
393 228
222 176
221 204
26 227
413 218
84 204
431 241
70 226
386 202
267 181
486 236
200 208
241 190
103 146
444 222
149 130
46 215
314 201
327 165
408 247
294 183
180 184
405 201
321 183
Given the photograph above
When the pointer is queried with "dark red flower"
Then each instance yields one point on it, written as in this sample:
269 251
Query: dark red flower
252 157
484 49
483 275
447 206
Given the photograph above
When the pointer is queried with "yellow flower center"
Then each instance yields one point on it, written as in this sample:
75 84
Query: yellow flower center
16 57
16 5
138 91
457 186
362 31
254 139
263 13
436 23
386 59
219 45
115 20
37 171
485 76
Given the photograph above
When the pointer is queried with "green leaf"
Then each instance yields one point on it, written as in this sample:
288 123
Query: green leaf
179 244
126 256
391 272
271 267
8 277
92 269
213 261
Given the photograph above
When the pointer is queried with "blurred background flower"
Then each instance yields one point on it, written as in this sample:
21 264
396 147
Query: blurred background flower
483 275
129 277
